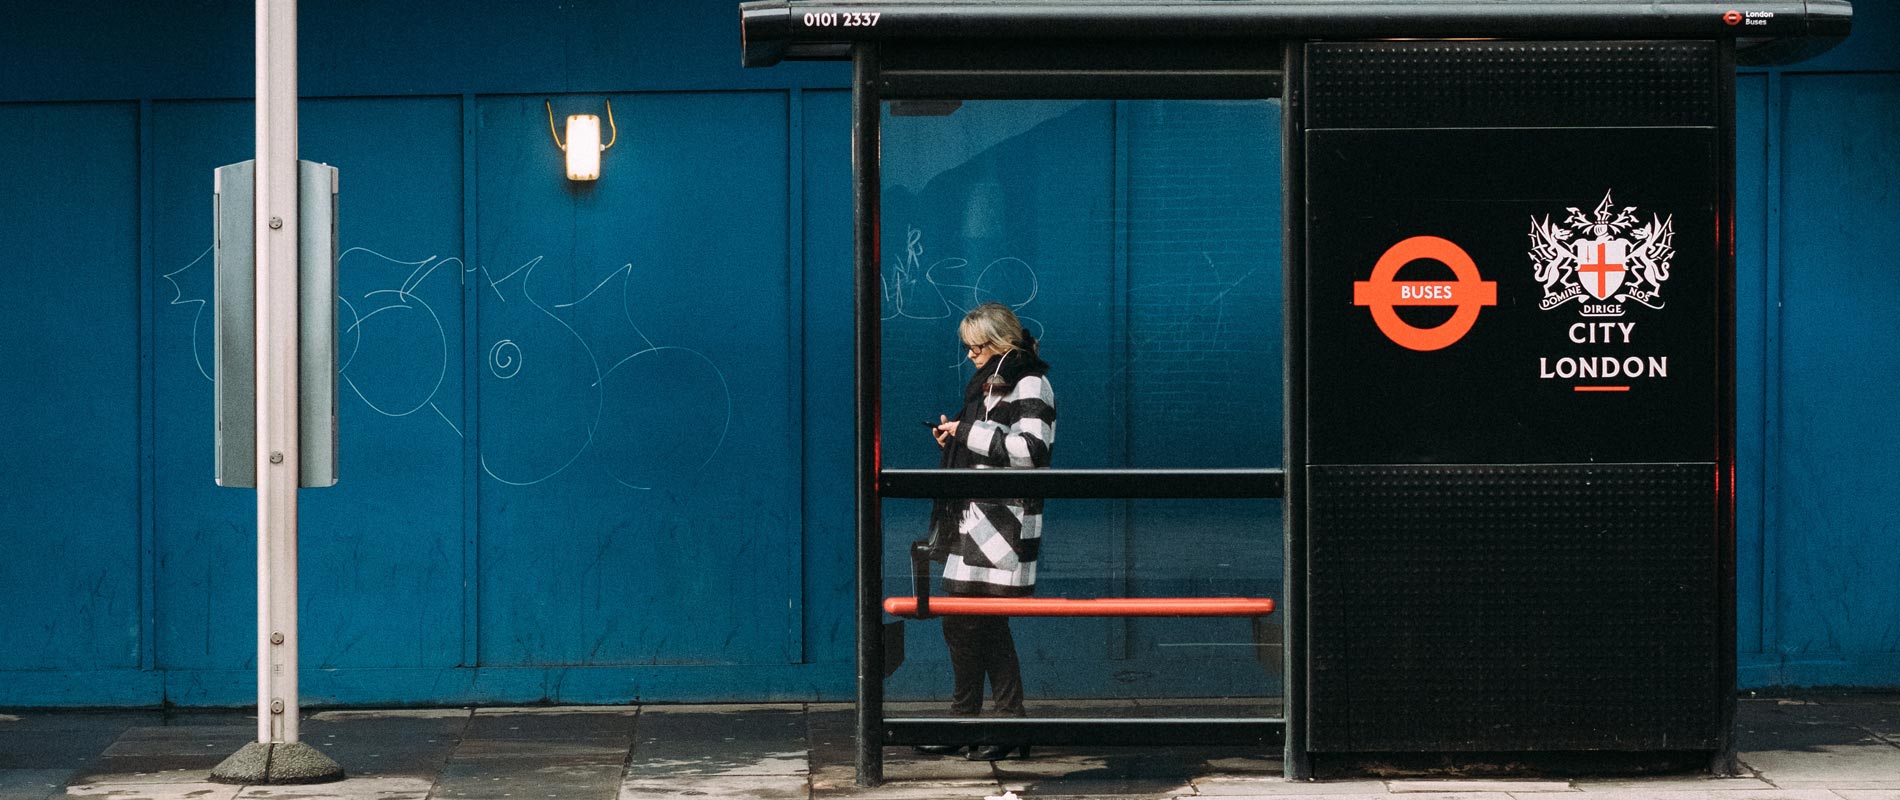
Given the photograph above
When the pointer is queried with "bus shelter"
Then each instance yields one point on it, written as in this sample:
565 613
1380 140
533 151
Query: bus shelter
1461 278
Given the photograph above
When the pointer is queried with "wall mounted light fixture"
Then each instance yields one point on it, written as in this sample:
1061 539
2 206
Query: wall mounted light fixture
583 145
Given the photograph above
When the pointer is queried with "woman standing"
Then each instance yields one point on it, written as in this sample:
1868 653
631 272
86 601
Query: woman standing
1008 420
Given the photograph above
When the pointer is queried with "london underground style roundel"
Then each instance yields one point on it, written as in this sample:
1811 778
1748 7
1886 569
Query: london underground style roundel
1467 293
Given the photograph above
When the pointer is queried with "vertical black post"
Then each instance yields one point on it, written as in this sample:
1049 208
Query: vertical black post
1293 276
867 303
1725 761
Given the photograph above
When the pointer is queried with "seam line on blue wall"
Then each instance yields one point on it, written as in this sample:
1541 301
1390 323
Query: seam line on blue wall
471 396
795 347
1751 236
148 412
1120 323
1771 377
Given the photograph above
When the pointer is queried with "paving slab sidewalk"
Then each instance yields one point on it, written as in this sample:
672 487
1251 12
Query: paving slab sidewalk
1825 747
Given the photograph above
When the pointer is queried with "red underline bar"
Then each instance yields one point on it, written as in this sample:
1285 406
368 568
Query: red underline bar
1601 388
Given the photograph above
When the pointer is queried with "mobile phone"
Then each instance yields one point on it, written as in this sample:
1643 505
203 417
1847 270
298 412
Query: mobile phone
931 425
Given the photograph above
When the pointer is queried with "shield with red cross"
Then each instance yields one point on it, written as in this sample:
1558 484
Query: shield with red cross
1601 264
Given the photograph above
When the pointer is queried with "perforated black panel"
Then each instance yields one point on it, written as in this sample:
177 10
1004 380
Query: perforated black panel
1512 84
1514 608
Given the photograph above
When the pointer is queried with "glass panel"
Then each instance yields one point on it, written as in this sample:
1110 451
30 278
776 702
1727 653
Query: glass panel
1139 242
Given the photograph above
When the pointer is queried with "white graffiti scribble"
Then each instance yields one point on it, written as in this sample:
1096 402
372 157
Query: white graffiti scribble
914 291
395 318
198 310
504 359
946 288
1198 304
400 309
693 374
685 364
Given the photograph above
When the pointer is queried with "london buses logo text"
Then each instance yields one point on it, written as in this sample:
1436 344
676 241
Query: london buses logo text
1467 294
1602 265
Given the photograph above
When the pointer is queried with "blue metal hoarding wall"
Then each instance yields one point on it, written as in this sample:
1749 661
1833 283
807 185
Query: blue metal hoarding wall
516 345
70 572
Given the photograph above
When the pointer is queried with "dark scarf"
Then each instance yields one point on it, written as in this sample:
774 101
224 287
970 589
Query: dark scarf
1012 367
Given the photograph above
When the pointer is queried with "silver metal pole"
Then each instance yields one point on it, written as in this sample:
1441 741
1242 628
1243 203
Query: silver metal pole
277 757
277 459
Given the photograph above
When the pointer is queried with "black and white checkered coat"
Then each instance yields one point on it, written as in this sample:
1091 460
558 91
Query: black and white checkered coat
1010 426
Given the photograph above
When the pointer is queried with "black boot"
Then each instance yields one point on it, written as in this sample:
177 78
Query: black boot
997 752
940 749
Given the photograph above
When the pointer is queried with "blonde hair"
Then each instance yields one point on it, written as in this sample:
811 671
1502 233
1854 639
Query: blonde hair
992 324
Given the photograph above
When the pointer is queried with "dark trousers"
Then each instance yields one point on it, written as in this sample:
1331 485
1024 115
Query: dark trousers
981 646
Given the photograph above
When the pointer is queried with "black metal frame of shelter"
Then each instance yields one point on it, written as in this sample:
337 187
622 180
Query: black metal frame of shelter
1018 70
1188 49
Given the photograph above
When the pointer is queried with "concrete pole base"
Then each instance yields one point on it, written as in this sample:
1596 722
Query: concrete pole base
262 764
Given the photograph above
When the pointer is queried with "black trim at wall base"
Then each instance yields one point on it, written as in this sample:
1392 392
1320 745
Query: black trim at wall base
1514 765
1063 732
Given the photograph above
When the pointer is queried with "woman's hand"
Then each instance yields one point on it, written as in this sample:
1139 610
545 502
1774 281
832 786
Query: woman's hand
945 430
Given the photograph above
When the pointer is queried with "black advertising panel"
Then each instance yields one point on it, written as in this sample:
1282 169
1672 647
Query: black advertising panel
1516 397
1547 607
1512 296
